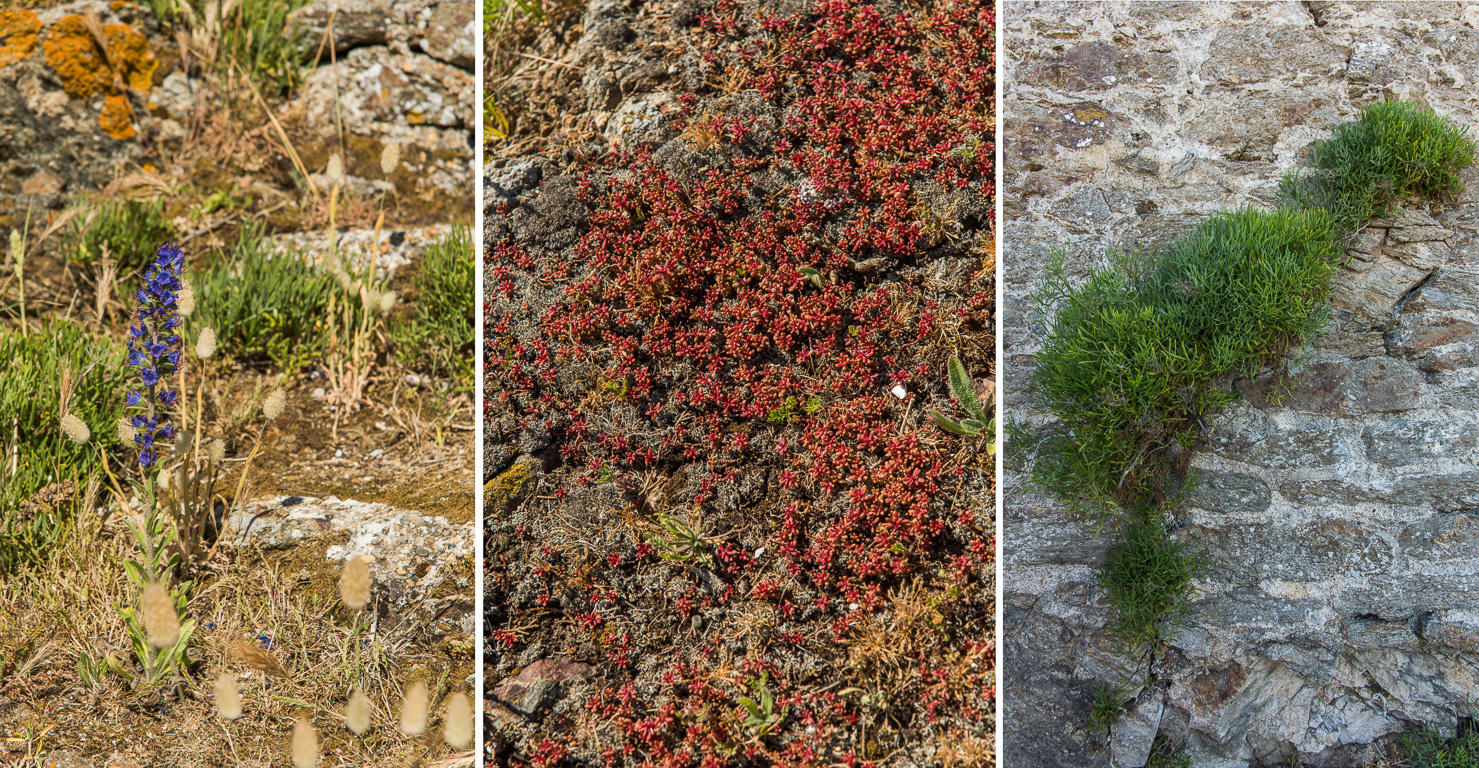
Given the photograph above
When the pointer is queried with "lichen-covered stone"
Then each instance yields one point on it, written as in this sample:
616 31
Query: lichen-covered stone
504 493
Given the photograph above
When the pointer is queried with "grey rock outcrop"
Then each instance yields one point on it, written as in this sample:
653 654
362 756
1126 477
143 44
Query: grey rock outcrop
443 30
1338 512
410 551
400 84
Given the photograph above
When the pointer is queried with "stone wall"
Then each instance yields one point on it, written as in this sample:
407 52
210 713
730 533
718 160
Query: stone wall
1338 524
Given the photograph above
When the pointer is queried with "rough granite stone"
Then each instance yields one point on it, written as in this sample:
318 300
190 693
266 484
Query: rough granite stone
1338 511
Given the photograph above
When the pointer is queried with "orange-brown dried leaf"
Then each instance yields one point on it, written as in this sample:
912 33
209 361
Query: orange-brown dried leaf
260 659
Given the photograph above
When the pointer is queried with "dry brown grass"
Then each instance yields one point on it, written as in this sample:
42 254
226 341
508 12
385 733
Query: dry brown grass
887 646
529 72
48 618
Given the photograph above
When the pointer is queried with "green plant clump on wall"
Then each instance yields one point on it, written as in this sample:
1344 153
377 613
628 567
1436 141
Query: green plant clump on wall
1137 358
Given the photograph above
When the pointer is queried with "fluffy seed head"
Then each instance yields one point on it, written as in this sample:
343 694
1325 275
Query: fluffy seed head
342 278
357 714
161 481
228 700
305 744
17 249
413 709
161 621
387 302
217 451
458 728
273 405
390 157
354 583
185 301
75 429
126 431
205 344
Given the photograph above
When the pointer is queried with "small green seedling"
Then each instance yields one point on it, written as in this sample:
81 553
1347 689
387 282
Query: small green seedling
978 423
812 274
762 714
784 413
682 541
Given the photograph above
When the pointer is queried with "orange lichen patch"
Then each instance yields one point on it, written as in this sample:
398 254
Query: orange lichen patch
18 32
84 70
117 119
131 54
73 53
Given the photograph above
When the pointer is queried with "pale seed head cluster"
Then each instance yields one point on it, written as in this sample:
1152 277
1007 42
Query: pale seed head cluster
205 343
458 727
357 714
228 699
161 621
272 406
390 157
75 429
185 300
305 744
126 431
354 583
413 709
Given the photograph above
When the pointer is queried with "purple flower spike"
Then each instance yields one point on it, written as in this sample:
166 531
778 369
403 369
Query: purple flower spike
154 349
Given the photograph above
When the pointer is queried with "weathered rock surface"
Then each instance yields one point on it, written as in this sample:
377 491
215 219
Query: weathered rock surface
358 247
421 106
410 551
1338 514
72 120
538 686
66 121
443 30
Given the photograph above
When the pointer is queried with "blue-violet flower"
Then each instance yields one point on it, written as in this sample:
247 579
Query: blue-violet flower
154 349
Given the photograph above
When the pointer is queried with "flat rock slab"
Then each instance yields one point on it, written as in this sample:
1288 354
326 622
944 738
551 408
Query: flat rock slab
410 551
539 685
